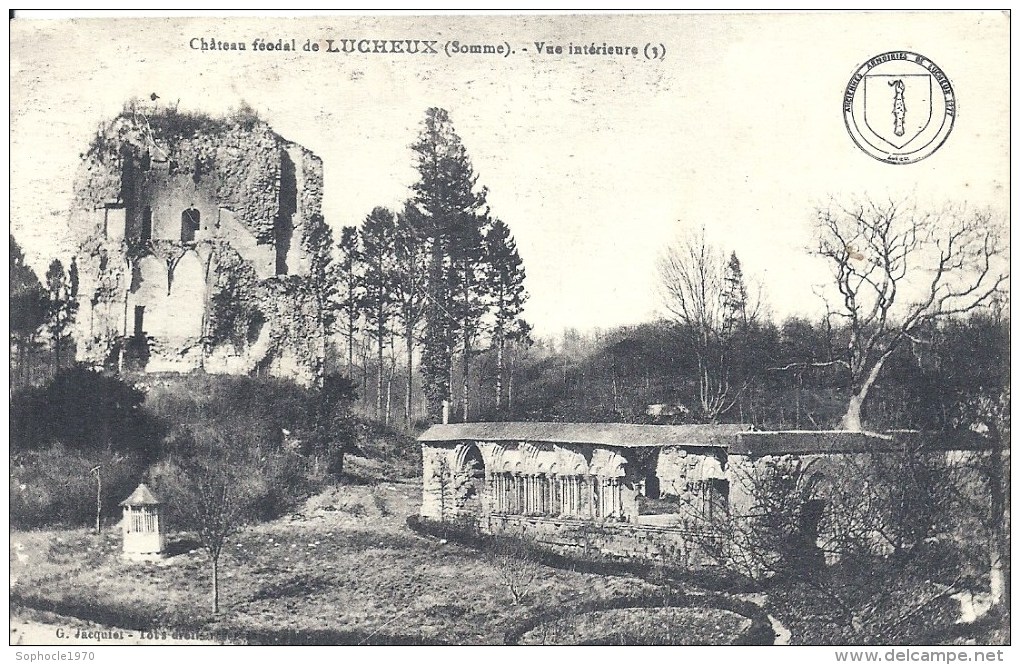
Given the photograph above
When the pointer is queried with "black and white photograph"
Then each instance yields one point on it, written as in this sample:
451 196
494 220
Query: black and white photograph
451 329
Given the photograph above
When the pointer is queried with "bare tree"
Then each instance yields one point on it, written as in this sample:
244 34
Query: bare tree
516 567
442 478
758 535
693 282
845 543
212 497
987 496
898 270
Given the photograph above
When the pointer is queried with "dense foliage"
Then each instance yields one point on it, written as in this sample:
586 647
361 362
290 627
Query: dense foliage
86 411
282 439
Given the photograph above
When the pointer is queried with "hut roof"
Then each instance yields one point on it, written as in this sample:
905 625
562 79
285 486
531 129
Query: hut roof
623 435
142 496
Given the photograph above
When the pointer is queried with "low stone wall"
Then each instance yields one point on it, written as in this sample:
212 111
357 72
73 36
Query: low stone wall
572 536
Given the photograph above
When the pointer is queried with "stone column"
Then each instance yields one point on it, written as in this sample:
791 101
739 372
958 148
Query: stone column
606 488
588 495
615 493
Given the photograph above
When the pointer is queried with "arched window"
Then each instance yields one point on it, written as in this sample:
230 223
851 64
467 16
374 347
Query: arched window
470 465
190 221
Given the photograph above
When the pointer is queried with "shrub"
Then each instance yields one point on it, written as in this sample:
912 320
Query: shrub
258 409
269 483
354 509
399 453
55 486
262 413
380 504
84 410
516 567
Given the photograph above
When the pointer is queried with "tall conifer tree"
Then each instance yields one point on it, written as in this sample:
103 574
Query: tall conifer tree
449 204
412 252
348 274
505 279
63 304
378 242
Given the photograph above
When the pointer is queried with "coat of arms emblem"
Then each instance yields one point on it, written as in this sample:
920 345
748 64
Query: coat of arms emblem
899 107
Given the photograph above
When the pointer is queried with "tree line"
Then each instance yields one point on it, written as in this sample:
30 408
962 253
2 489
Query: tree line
915 333
649 373
899 275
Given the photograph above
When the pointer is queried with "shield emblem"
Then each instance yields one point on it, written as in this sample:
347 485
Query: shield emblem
897 107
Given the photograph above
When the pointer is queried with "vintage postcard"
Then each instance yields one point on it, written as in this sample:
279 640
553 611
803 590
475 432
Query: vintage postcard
685 329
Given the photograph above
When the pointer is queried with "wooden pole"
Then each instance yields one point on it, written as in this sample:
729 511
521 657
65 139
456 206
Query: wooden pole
99 495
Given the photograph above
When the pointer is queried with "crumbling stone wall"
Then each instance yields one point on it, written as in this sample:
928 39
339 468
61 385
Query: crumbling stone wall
202 245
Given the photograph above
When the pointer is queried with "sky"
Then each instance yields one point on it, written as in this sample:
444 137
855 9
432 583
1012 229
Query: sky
597 163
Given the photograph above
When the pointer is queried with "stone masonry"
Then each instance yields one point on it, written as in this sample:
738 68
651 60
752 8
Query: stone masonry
200 243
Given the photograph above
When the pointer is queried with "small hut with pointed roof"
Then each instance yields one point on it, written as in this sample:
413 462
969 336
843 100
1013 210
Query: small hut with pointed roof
143 531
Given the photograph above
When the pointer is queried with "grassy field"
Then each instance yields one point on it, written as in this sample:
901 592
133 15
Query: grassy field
344 569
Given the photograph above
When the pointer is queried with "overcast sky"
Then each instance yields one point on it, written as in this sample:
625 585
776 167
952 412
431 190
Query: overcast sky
595 162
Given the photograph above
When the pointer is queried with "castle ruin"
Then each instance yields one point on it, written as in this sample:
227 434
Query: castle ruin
201 246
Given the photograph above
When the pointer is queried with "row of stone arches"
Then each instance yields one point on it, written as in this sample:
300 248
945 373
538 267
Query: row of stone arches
529 480
527 457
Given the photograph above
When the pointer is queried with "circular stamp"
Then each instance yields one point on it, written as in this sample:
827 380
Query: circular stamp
899 107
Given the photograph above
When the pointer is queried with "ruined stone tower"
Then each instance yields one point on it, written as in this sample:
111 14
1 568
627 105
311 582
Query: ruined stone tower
202 246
